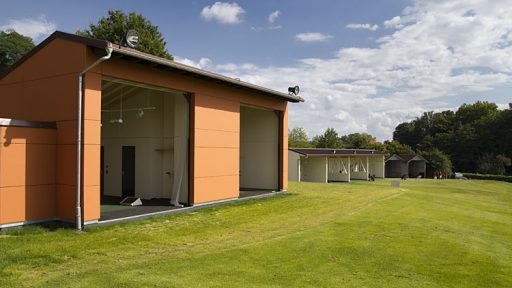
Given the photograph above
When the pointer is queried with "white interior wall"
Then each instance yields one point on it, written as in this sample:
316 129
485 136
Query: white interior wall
377 166
314 169
358 173
180 151
339 169
259 148
293 165
153 138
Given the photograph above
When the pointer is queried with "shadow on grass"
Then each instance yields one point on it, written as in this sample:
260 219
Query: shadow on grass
38 228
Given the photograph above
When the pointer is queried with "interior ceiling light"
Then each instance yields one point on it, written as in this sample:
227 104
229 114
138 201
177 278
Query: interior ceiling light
293 90
120 119
140 113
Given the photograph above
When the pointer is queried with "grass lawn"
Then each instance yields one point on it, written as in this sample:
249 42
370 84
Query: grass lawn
426 233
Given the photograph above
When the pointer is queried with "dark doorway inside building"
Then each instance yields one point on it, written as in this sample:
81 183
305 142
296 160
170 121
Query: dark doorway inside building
128 172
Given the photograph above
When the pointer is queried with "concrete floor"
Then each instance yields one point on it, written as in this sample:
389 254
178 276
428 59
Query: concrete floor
112 212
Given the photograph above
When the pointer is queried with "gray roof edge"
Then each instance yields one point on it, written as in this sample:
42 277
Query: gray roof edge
194 70
301 151
103 44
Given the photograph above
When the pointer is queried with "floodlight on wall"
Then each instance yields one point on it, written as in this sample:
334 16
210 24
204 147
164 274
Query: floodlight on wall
131 38
293 90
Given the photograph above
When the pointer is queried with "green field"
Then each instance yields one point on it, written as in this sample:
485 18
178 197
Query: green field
426 233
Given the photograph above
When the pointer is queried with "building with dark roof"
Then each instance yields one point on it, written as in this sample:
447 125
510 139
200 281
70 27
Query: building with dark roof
410 165
331 165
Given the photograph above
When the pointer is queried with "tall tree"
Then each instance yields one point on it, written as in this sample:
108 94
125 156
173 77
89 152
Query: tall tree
472 137
13 46
116 23
298 138
395 147
437 161
329 139
358 141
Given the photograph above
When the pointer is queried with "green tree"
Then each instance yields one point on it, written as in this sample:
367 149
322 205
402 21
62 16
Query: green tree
406 133
298 138
395 147
437 161
116 23
495 165
359 141
329 139
13 46
466 135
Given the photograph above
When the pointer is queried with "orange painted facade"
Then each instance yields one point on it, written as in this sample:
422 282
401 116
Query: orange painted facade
29 180
44 88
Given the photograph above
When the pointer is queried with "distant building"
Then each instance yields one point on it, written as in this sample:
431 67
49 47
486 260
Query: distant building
410 165
332 165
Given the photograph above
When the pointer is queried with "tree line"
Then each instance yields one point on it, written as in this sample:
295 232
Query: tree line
476 138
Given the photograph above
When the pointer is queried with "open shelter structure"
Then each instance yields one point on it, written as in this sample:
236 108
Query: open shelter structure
84 119
331 165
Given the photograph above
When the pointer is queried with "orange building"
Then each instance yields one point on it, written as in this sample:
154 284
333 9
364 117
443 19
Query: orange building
148 127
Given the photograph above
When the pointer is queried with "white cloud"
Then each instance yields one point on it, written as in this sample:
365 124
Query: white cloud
439 53
503 106
273 16
393 22
203 63
35 28
363 26
223 12
312 37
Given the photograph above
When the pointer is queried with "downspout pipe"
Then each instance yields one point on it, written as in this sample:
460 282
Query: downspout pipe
79 136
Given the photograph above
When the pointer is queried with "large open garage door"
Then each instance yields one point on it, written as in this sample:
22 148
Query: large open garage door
144 138
417 168
394 169
259 149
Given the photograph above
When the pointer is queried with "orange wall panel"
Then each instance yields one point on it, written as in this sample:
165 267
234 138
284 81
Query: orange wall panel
31 164
27 174
66 199
91 165
92 97
91 199
24 135
67 132
216 188
216 162
91 132
217 139
13 204
57 58
66 164
214 113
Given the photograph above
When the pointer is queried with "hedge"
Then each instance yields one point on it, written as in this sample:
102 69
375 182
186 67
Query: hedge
488 177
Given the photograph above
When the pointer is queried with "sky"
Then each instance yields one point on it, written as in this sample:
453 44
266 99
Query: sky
362 65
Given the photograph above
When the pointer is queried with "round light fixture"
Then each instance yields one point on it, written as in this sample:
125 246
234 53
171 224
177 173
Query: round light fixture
131 38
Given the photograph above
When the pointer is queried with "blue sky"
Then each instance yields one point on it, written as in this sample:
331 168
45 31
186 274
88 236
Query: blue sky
363 66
